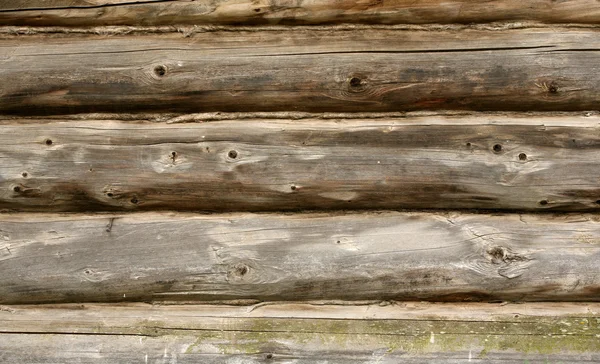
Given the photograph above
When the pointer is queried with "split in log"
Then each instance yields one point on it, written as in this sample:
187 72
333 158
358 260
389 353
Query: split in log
165 12
484 161
314 70
301 333
399 256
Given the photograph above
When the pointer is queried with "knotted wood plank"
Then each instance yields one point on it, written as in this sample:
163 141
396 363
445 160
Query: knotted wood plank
166 12
267 257
301 333
485 161
301 69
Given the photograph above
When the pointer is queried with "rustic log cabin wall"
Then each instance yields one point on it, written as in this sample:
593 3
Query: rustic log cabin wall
302 181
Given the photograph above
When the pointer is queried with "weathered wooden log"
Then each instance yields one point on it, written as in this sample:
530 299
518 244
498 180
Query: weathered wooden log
487 161
408 256
301 333
161 12
315 70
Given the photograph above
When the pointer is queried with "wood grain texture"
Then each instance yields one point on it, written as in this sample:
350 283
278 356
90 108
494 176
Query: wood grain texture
487 161
300 69
161 12
301 333
403 256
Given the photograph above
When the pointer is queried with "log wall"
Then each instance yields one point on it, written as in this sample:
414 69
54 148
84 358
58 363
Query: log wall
283 181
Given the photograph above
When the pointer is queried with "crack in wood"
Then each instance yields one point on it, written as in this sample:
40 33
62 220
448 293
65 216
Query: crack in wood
73 7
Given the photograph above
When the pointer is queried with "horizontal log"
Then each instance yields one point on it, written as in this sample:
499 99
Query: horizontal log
301 333
525 162
313 70
407 256
160 12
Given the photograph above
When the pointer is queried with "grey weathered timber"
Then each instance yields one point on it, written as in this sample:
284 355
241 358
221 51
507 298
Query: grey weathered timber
301 333
408 256
161 12
527 162
300 69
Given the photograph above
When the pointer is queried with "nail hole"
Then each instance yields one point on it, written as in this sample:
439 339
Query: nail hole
544 202
338 242
24 174
355 81
597 202
110 194
269 356
497 148
134 200
174 154
522 156
257 10
468 145
232 154
160 71
293 188
48 141
17 189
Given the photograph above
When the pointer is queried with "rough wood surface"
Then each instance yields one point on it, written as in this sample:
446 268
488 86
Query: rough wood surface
404 256
300 69
161 12
301 333
426 162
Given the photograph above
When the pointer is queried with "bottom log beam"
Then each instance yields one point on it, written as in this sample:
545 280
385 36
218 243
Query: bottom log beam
50 258
302 333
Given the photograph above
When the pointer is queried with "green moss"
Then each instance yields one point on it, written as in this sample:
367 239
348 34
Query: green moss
529 335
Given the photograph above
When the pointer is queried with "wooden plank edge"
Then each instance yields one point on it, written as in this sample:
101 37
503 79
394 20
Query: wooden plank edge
589 118
186 31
